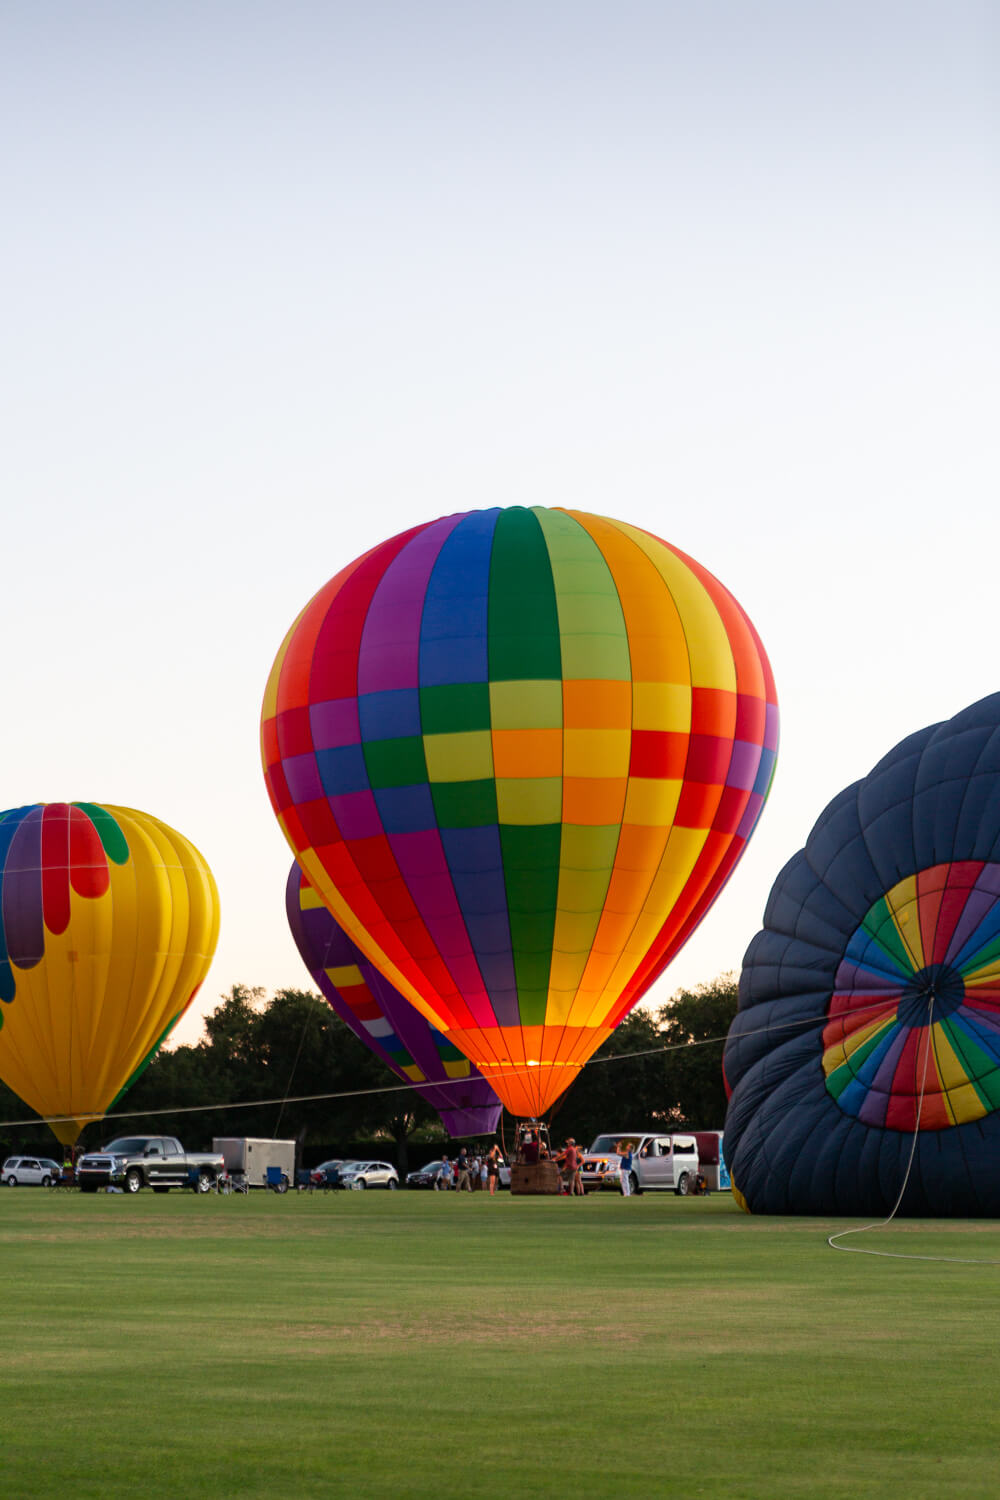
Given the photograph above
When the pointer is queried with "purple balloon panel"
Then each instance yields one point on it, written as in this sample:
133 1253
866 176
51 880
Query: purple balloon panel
379 1016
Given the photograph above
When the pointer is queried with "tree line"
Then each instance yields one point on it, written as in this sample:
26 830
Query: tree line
262 1062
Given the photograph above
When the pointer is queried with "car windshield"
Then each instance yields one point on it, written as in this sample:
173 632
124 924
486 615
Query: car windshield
608 1144
127 1145
432 1166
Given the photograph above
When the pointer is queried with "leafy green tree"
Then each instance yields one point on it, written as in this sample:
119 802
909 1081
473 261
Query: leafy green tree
656 1069
621 1087
696 1023
263 1061
267 1067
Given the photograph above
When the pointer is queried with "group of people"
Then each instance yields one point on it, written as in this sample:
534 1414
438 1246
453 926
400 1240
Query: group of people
471 1172
533 1148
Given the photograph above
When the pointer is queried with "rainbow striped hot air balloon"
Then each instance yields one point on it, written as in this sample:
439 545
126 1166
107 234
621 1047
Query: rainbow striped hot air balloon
108 924
389 1025
518 753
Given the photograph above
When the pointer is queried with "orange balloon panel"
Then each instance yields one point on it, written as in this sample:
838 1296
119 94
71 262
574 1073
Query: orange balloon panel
109 924
518 752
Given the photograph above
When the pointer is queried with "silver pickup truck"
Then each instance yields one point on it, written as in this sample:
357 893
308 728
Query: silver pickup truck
132 1162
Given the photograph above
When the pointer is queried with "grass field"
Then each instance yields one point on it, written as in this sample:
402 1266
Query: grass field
411 1344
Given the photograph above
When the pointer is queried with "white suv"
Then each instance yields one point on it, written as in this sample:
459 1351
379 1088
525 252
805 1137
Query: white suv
33 1171
660 1162
366 1174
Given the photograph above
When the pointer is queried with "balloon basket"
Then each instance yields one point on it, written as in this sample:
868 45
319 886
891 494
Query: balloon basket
535 1178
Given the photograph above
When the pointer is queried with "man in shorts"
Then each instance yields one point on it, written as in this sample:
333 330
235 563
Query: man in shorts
569 1160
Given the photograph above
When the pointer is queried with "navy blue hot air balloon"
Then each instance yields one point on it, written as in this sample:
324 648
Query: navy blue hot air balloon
869 1012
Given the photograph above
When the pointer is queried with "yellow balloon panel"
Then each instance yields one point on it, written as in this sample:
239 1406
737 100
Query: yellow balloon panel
108 923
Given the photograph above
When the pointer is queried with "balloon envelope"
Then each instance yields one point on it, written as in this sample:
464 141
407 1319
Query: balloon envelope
108 923
869 1019
384 1021
518 753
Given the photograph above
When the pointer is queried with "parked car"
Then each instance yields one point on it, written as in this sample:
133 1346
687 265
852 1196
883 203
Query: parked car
660 1162
327 1174
31 1171
424 1177
366 1174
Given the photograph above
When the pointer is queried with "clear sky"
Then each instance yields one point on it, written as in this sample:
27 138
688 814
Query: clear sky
281 280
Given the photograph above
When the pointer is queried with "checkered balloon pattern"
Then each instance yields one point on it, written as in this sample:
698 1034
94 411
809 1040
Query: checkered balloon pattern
518 752
389 1026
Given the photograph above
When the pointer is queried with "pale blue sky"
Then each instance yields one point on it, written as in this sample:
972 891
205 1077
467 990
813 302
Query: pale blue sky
283 279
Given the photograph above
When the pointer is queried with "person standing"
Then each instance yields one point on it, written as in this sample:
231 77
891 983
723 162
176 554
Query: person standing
569 1160
493 1159
442 1181
624 1149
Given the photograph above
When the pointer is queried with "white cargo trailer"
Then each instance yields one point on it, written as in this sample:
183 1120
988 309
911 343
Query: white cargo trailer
249 1159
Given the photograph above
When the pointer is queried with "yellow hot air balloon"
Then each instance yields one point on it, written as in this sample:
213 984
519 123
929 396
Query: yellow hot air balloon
108 923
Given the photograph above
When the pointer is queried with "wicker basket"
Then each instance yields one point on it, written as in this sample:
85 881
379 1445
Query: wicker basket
538 1177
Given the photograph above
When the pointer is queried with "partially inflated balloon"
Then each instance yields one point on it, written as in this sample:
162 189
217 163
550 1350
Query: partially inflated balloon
518 753
866 1052
384 1021
108 923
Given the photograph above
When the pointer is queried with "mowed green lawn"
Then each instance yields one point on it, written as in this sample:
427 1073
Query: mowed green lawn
416 1344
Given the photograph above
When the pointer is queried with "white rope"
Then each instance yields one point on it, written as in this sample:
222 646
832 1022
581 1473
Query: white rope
883 1223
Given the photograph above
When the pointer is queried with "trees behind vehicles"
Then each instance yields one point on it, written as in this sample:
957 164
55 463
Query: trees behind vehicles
665 1064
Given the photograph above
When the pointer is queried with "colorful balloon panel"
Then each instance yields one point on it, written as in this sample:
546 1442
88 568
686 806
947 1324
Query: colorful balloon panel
108 924
384 1021
870 1002
518 753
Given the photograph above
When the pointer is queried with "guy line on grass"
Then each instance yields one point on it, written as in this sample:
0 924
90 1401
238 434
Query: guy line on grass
405 1088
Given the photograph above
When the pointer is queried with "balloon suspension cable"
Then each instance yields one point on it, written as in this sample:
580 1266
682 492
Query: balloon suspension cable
288 1085
90 1115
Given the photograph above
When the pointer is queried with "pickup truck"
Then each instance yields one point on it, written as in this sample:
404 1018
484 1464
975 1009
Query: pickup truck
132 1162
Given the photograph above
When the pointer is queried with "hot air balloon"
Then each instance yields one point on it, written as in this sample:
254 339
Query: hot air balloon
518 753
869 1023
108 923
380 1017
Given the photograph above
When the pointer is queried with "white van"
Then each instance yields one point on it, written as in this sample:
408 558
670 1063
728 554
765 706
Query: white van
660 1162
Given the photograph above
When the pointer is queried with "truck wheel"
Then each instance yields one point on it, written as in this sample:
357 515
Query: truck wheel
683 1186
12 1181
361 1183
205 1182
392 1184
46 1182
133 1180
634 1182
